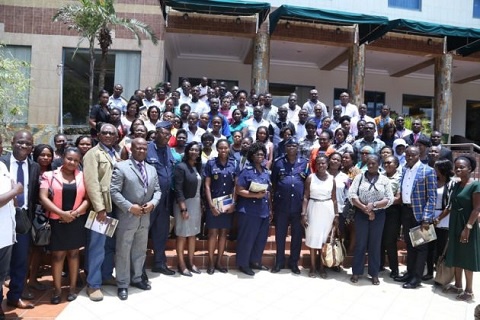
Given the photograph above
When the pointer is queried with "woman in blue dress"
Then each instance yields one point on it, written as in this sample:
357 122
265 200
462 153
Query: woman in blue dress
219 177
254 210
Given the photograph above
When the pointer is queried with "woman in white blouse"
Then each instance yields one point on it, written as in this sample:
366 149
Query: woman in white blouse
370 193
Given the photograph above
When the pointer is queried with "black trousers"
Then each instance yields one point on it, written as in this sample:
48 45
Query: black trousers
416 256
391 231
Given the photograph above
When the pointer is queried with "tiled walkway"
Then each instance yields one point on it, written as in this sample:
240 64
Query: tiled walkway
265 296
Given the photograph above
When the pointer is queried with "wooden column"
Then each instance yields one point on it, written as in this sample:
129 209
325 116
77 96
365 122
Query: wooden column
261 60
356 74
443 95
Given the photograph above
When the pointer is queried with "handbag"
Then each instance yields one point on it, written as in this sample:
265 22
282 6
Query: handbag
349 209
333 251
444 275
23 224
41 228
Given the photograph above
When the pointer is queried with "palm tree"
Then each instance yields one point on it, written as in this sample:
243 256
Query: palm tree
94 19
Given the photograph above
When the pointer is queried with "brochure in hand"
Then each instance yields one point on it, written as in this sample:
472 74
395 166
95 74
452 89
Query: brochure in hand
223 203
419 236
107 227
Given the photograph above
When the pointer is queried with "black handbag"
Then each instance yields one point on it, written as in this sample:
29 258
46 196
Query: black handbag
41 228
23 224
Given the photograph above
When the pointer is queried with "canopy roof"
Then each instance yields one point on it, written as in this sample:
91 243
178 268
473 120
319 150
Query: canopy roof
220 7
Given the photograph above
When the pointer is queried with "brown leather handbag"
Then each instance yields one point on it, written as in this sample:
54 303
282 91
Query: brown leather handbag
333 251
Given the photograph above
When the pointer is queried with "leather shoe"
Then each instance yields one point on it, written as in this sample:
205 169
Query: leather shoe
19 304
221 269
404 278
144 277
210 270
142 285
247 271
295 269
276 268
258 266
411 284
185 272
194 269
122 293
394 274
427 277
163 270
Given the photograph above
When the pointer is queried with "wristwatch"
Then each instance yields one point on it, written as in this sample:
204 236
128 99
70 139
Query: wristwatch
469 226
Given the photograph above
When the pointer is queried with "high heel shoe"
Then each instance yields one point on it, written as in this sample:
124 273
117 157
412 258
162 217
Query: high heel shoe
194 269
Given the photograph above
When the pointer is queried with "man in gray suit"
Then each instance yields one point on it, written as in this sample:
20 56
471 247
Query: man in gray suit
136 192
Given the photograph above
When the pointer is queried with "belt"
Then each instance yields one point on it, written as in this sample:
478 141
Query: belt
319 200
408 205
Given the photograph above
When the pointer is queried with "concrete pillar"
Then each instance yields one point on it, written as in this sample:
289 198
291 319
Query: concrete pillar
261 60
443 95
356 74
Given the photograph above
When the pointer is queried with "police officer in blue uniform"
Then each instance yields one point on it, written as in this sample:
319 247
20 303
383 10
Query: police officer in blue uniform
219 176
254 210
288 178
160 156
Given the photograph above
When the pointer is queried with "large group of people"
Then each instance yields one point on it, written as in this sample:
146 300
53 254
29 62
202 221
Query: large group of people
239 163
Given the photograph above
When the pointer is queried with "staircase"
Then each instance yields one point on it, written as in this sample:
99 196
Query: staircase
228 260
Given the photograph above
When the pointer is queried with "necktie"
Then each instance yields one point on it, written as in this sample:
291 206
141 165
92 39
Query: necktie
143 174
415 138
20 179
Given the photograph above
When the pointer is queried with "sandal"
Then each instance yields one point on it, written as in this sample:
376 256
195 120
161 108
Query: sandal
452 289
354 279
312 274
465 296
375 281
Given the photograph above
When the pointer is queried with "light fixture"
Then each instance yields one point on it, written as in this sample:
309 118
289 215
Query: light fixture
185 16
429 41
238 21
287 25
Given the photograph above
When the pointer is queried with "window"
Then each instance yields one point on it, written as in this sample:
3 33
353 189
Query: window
418 107
406 4
476 8
472 129
23 54
373 99
123 67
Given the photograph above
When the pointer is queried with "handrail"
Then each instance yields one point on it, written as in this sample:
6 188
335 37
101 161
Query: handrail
471 146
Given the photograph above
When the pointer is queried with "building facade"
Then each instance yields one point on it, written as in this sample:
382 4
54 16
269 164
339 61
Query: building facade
417 56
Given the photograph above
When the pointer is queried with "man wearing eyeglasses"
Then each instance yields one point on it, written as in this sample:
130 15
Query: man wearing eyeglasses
368 140
98 165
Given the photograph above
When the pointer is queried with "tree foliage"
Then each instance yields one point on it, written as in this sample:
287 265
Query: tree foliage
95 19
14 88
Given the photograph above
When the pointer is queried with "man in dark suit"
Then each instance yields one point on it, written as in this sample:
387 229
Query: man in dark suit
416 133
160 156
419 193
436 140
136 192
24 171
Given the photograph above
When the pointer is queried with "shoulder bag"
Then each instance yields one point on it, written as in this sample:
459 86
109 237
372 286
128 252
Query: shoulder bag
444 275
41 229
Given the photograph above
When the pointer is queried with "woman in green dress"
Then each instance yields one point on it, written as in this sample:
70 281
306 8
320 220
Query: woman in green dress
464 238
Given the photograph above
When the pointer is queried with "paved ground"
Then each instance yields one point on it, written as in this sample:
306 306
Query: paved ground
273 296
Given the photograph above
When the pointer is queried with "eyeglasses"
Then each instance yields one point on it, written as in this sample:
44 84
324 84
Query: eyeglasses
107 133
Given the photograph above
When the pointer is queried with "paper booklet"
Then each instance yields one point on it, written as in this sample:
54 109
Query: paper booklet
258 187
107 227
223 203
419 236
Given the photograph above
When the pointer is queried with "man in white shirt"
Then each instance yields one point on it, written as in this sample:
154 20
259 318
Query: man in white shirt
293 108
203 87
149 99
116 100
185 96
300 129
194 132
400 126
196 104
255 122
348 109
310 104
362 115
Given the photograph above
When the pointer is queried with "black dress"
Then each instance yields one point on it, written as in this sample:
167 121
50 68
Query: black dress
68 236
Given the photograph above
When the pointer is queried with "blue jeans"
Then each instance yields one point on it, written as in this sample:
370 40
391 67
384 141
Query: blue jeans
100 259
